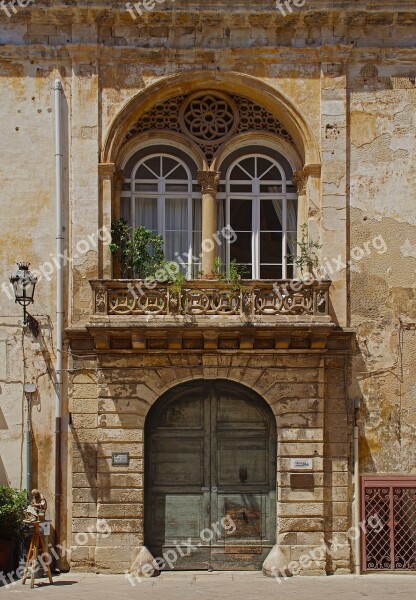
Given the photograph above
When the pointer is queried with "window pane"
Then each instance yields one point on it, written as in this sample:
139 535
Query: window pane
176 213
245 188
291 243
270 247
146 187
240 250
248 164
239 173
171 168
176 243
271 215
270 272
152 166
125 209
290 271
146 213
263 166
241 215
271 174
176 187
271 189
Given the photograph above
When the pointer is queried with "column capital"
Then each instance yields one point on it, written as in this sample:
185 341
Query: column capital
300 179
209 181
106 170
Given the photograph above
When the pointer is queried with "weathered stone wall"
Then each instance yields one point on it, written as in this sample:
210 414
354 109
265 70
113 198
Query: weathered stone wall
307 396
383 302
351 72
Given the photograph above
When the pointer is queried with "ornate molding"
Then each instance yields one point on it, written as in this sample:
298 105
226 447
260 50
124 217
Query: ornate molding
209 181
209 118
300 179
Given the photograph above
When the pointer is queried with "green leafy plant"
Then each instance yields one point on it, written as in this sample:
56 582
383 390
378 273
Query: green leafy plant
217 266
305 252
178 282
139 251
12 509
235 275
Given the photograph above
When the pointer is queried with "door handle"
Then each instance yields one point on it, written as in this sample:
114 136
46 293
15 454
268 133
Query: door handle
204 489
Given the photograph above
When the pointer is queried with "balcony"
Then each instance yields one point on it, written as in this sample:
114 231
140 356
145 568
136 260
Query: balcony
283 300
210 314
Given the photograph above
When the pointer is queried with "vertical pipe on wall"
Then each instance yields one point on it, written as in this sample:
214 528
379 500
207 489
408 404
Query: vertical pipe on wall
59 305
28 445
356 504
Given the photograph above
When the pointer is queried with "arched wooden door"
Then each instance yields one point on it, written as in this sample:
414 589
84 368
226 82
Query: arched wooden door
210 480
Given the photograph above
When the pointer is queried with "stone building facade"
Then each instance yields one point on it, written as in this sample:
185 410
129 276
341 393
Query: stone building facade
223 400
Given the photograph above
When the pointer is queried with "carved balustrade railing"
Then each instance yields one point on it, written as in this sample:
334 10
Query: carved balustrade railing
212 298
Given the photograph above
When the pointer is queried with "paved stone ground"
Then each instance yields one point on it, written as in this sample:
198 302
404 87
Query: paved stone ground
207 586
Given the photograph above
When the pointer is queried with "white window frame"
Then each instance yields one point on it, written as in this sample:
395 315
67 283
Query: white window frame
256 196
160 196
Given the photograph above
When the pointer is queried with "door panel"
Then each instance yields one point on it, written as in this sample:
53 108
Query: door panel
211 477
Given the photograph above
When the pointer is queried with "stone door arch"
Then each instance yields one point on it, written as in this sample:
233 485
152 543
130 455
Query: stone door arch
210 477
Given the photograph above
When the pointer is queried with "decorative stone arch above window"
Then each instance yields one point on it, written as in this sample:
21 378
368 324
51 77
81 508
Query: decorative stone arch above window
210 119
206 114
184 84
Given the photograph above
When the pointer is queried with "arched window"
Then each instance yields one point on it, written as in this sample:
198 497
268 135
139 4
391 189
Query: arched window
181 139
160 193
260 205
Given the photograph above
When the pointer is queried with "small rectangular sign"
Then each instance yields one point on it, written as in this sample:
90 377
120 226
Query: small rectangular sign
301 464
302 481
121 458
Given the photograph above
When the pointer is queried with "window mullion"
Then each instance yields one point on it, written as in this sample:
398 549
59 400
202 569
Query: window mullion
133 205
284 237
256 236
161 207
190 233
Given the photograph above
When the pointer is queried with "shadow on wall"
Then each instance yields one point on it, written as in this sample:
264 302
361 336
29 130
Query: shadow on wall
3 422
4 480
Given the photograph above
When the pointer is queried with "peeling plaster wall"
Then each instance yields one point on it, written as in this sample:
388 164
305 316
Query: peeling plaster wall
383 296
320 58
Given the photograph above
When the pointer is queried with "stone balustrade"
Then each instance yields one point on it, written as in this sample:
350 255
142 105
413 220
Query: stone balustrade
204 298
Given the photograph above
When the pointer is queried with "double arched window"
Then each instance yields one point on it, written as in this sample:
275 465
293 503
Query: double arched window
256 199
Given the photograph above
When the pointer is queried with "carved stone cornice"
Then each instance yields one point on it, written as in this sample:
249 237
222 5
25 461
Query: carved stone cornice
312 170
209 181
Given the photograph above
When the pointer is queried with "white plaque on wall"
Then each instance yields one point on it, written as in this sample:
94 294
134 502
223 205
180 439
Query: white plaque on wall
301 464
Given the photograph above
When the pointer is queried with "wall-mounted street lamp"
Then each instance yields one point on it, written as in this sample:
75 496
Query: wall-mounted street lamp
24 284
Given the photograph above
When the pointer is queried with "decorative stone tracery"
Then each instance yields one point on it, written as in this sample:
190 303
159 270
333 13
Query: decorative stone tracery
209 118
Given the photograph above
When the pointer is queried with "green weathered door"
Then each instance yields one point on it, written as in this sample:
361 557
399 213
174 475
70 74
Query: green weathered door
211 477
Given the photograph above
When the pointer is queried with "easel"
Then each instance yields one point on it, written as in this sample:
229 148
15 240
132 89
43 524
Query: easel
32 557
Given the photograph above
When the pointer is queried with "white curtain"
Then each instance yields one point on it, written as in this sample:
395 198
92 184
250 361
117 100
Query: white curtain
196 237
146 213
176 228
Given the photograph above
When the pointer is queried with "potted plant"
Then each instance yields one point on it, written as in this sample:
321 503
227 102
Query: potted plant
215 274
12 508
139 251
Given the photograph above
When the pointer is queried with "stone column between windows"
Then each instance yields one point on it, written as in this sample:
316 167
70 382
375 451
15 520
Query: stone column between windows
107 174
209 181
300 179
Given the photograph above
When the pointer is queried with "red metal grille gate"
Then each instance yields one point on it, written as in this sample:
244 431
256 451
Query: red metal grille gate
389 513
